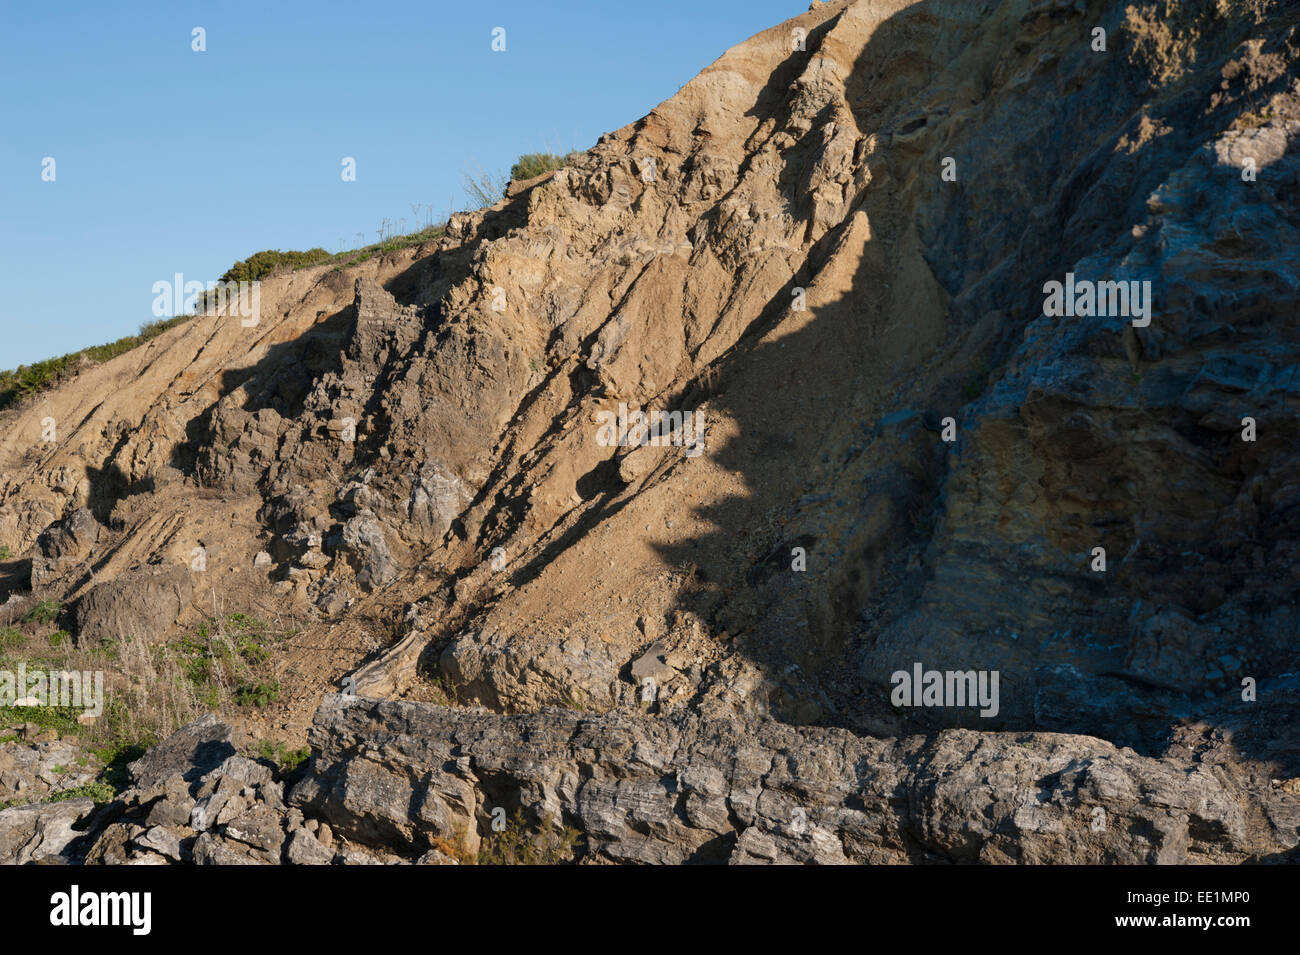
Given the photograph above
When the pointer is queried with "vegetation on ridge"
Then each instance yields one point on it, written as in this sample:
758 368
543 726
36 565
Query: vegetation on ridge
484 190
27 380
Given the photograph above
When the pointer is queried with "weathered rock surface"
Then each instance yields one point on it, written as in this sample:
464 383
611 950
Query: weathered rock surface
143 602
40 833
190 753
38 764
834 251
63 545
403 782
674 791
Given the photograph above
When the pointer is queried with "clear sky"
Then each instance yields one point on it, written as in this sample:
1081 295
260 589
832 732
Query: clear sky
169 160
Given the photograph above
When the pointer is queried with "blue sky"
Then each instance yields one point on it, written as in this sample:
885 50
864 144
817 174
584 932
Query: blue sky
170 160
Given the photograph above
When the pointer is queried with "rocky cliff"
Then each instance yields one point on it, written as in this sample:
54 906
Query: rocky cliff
828 259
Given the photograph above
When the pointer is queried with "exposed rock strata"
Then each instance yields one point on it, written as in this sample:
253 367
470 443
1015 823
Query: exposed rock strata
775 247
404 782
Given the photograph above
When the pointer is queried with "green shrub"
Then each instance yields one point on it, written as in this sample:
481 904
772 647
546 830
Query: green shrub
530 165
99 790
250 636
279 753
261 264
62 719
257 694
228 652
43 612
518 845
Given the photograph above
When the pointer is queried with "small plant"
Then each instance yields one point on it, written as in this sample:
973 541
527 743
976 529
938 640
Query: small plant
455 847
257 694
225 652
43 612
5 553
116 757
197 657
99 790
531 165
517 845
574 701
62 719
484 189
279 753
442 689
250 638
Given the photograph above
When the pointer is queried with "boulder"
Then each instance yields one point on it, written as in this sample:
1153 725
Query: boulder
193 750
41 833
303 848
63 545
366 546
143 602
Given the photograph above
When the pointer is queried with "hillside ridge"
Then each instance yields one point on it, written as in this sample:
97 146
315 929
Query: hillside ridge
828 260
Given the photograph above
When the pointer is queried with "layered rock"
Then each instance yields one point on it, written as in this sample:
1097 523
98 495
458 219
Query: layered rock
832 248
403 782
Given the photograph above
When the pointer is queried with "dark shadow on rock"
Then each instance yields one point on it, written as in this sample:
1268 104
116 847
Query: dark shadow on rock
910 553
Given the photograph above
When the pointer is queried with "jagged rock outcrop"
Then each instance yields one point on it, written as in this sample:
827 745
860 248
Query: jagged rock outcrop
191 800
405 782
41 833
63 545
685 790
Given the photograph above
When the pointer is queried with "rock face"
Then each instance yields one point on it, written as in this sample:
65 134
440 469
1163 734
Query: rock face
35 764
675 791
192 800
190 752
834 250
405 782
62 545
41 833
142 602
